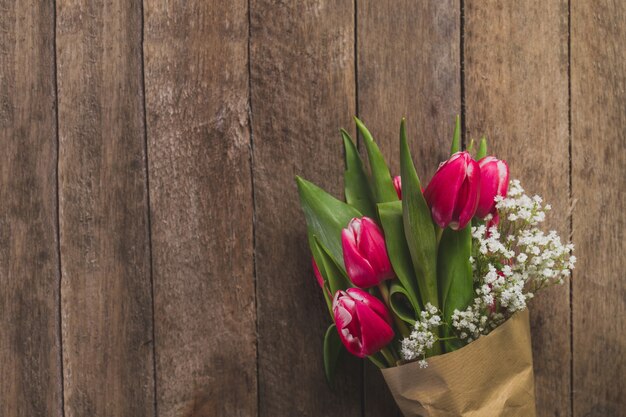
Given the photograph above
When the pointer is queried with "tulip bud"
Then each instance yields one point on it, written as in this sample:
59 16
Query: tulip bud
397 184
318 275
365 253
363 322
494 181
452 194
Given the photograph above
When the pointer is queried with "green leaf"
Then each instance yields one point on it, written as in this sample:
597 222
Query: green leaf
456 137
400 303
455 274
399 254
382 185
326 216
336 277
482 149
332 350
419 230
318 256
356 185
470 148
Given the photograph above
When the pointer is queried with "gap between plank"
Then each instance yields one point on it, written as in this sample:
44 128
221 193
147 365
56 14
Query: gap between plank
149 216
58 206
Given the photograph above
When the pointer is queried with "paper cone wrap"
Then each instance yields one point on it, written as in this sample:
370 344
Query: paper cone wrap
492 376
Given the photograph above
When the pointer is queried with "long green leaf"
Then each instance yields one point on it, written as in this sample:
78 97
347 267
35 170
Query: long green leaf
382 185
399 254
400 303
456 137
332 350
356 184
337 278
326 216
418 226
455 274
482 149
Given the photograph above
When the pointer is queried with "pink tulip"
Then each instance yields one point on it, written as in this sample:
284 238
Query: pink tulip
494 181
365 253
397 184
363 322
318 275
453 192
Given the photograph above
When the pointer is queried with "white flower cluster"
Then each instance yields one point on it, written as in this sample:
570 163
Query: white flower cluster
422 337
511 261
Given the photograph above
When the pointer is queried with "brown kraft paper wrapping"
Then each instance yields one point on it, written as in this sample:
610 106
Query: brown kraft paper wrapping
492 376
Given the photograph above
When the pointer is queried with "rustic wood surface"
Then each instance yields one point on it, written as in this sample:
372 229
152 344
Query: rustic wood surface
196 72
598 82
408 65
30 351
106 316
153 258
516 93
303 89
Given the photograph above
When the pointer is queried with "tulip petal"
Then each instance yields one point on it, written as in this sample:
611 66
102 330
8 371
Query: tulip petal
372 302
358 268
372 246
494 181
442 191
469 195
376 333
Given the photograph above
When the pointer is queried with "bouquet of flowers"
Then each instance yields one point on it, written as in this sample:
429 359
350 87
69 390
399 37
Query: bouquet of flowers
431 284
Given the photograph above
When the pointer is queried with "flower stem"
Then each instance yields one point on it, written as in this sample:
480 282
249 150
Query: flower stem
388 356
376 362
447 338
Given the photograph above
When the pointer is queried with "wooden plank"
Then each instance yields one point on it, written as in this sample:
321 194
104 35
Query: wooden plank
516 93
105 253
30 356
196 61
408 65
303 89
598 85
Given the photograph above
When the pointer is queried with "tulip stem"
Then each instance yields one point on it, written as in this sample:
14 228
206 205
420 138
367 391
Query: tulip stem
388 356
376 362
384 291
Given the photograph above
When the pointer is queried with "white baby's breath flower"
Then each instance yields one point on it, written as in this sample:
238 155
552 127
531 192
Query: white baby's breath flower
510 262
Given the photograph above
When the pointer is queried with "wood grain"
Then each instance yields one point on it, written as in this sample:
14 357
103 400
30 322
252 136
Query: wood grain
303 89
196 72
30 356
516 91
598 71
105 258
408 65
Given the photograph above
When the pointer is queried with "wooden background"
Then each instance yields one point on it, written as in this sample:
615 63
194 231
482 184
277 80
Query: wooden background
153 258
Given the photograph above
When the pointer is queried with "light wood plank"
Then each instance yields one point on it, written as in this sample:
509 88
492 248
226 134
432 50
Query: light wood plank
516 92
196 69
30 355
598 71
303 89
105 253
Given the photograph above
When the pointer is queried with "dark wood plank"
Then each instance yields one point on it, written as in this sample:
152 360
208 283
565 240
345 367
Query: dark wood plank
517 94
598 71
303 89
30 357
202 210
105 258
408 65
